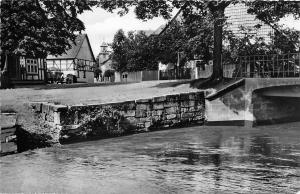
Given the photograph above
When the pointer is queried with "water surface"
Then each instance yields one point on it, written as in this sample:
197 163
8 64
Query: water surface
187 160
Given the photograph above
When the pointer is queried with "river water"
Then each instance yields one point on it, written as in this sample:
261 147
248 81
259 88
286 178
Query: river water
188 160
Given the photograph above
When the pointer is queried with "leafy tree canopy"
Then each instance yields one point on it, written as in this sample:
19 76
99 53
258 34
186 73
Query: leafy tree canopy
134 52
40 27
119 55
269 12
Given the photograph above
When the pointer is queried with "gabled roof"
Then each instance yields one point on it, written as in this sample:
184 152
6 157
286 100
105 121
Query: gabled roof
75 48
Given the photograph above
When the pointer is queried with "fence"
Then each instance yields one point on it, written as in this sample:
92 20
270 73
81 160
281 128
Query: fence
149 75
175 74
137 76
265 66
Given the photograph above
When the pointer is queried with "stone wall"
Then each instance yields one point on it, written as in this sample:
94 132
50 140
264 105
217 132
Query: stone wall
114 119
8 133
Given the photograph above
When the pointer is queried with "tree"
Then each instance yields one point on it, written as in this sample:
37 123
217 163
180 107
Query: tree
269 12
40 27
119 55
134 52
141 52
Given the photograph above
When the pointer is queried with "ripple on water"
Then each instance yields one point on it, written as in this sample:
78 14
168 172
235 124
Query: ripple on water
187 160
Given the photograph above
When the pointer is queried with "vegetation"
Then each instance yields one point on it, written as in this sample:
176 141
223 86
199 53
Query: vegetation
109 73
97 73
134 52
37 28
269 12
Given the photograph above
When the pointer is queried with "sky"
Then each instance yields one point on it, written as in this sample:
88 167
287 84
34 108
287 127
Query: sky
102 25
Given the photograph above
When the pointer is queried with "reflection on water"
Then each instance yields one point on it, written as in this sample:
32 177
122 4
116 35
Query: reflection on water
189 160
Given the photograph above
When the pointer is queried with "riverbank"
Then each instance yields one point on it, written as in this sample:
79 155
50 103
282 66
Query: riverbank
18 100
94 121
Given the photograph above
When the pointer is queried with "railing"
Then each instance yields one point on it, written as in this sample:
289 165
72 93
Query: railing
265 66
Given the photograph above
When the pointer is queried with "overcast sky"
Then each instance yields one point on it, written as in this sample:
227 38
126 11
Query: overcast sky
102 25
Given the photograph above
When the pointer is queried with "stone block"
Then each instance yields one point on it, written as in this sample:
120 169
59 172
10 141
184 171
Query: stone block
141 101
156 118
37 106
198 113
184 96
172 98
77 107
8 120
58 107
184 110
187 115
199 96
175 121
147 124
140 113
193 109
185 104
131 120
171 110
158 106
129 113
157 112
192 96
46 107
56 118
159 99
145 119
191 103
170 104
198 118
143 106
171 116
126 105
200 106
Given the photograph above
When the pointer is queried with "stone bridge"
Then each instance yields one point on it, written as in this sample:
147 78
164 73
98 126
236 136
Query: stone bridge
253 101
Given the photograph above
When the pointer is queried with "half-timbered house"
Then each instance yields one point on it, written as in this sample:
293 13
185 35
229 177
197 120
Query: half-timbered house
24 70
78 61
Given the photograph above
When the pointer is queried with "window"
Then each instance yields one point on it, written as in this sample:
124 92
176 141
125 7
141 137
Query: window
31 65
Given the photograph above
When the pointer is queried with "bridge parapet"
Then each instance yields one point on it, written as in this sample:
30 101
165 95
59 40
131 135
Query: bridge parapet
244 105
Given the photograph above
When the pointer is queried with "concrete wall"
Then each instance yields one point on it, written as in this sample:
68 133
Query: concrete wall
114 119
230 108
245 106
269 110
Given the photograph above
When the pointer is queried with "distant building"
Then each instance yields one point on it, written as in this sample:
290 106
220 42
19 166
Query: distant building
238 17
105 52
78 61
104 57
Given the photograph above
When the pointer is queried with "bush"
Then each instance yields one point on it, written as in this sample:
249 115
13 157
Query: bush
109 73
97 73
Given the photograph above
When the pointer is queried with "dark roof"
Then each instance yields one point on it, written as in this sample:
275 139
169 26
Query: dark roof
73 52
